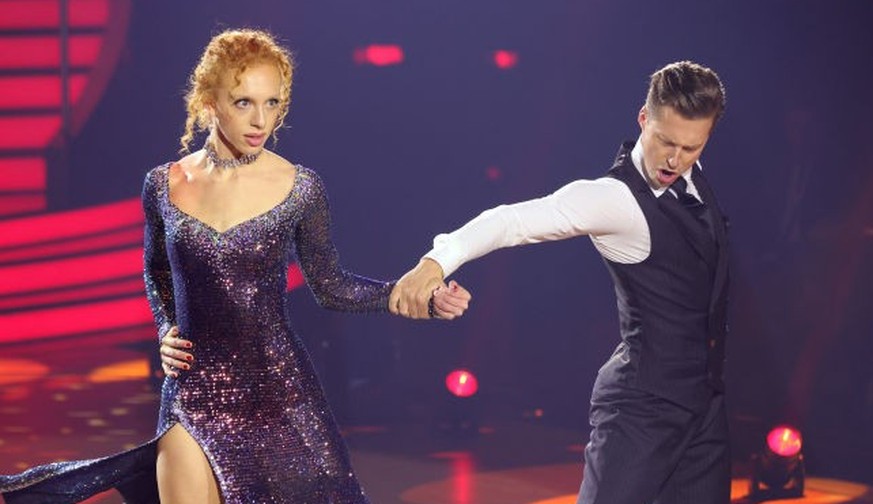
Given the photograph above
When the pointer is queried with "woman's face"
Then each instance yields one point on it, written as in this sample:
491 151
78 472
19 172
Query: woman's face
246 113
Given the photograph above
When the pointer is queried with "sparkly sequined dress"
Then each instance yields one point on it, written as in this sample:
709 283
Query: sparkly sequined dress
252 402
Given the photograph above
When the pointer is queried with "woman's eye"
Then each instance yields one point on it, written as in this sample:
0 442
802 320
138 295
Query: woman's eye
241 103
273 103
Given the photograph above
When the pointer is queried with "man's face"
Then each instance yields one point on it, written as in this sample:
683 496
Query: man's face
671 143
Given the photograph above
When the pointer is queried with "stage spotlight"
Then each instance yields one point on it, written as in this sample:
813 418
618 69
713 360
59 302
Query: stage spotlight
379 55
458 417
505 60
778 472
462 383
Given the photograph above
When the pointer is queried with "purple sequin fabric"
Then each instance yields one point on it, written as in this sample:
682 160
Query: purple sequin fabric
252 400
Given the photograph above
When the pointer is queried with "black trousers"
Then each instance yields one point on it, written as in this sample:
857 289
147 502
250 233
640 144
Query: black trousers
646 450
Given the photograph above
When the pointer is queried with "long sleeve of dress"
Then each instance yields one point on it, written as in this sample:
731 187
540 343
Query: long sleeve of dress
156 265
333 287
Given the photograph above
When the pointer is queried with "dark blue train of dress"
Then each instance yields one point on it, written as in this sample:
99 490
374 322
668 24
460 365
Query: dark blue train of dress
252 401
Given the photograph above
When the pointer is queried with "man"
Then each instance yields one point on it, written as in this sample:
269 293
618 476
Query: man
659 428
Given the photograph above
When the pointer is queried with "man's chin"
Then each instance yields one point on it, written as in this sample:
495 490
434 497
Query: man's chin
653 181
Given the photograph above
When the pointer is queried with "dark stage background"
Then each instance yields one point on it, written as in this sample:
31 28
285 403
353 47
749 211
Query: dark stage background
418 148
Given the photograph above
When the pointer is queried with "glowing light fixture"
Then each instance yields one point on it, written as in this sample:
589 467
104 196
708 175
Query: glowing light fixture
505 60
493 173
379 55
462 383
459 415
778 472
784 441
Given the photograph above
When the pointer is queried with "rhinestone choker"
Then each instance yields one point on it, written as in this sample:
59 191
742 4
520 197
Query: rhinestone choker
229 163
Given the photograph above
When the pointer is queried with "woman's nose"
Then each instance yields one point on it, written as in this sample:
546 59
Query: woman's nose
259 118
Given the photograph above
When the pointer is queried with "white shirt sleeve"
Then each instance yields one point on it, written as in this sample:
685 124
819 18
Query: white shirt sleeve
603 208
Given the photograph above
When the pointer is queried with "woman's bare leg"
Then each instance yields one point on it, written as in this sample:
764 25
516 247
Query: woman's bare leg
184 474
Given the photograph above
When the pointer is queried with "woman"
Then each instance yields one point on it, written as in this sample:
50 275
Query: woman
250 423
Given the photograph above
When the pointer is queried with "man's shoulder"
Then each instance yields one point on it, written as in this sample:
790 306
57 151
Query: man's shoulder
605 190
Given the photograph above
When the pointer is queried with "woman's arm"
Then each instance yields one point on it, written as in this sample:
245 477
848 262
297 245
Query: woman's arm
333 287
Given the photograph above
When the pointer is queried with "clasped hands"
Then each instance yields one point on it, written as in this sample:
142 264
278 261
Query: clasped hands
422 293
419 294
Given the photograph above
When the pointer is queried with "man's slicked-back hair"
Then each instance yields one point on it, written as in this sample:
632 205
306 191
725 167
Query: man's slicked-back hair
692 90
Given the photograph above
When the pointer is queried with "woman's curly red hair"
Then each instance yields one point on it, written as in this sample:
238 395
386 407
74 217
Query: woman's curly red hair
234 50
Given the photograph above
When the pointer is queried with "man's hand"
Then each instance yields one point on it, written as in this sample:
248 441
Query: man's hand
173 357
450 302
413 291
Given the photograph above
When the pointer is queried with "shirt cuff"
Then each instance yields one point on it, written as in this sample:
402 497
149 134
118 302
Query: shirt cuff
447 253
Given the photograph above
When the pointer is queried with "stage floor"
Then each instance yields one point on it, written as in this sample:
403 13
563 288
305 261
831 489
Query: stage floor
67 401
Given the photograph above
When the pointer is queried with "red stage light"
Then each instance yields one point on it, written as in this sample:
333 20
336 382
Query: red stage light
462 383
505 59
784 441
295 277
28 132
45 51
21 370
379 55
22 173
29 301
34 325
89 13
69 272
73 245
23 92
31 14
18 203
71 224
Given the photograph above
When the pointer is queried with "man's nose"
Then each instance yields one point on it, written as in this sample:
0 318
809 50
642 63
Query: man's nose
674 159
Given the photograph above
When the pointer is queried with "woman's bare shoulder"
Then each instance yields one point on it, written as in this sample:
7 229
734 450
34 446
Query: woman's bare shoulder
279 168
186 166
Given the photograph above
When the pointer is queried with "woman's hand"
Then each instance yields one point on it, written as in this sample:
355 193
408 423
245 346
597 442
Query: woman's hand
173 356
451 301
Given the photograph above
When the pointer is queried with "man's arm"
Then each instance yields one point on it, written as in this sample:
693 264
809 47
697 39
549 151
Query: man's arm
579 208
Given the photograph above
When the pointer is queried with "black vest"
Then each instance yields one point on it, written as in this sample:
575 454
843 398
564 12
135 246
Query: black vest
672 306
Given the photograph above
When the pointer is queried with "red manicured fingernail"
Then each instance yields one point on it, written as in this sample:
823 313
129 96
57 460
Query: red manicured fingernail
189 358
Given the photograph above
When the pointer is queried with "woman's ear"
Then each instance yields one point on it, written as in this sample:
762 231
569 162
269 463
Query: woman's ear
209 116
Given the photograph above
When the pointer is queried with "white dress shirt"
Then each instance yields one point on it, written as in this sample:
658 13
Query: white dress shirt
604 209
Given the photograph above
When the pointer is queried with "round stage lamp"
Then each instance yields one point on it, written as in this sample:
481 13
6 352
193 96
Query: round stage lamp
462 383
505 60
778 471
784 441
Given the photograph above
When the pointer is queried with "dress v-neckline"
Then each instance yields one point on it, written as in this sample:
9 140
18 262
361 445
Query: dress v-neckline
213 229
